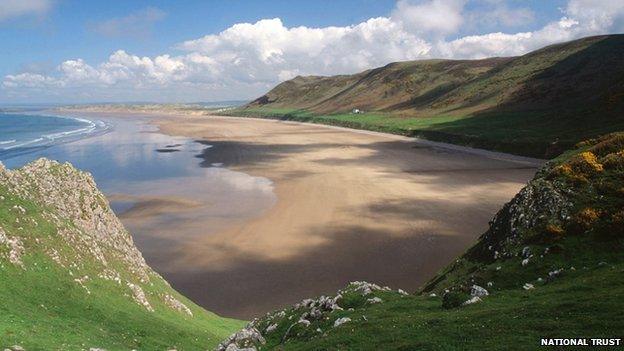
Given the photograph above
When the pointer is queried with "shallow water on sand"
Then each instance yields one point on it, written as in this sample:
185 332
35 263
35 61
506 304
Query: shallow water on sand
157 187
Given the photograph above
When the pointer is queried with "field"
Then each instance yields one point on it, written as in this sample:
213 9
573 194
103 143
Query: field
511 132
537 105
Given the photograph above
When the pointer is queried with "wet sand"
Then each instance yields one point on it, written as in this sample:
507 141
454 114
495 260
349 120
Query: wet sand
350 206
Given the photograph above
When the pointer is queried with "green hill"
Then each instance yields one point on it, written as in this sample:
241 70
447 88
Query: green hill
72 279
550 266
538 104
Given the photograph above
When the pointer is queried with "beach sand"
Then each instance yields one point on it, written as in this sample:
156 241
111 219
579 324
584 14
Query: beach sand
350 206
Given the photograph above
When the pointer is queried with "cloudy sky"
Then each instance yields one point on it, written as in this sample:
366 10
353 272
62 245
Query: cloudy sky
186 51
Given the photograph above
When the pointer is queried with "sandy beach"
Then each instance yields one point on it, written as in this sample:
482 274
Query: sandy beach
350 206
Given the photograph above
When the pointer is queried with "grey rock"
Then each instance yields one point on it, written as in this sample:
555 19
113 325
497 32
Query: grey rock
478 291
341 321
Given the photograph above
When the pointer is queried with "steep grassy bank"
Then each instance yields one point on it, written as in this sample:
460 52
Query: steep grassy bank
538 104
550 266
72 279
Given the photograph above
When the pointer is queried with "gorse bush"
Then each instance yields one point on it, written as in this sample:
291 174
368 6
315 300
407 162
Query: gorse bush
554 231
586 164
596 173
584 220
614 161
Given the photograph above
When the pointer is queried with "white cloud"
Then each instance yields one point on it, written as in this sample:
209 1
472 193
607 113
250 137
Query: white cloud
29 80
247 58
17 8
439 17
138 24
596 15
501 44
497 14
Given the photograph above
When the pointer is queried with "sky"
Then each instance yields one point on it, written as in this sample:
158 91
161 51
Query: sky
71 51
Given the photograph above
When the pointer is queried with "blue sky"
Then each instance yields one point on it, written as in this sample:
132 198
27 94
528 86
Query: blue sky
80 51
66 31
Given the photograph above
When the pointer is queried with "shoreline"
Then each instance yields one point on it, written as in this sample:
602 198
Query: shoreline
84 128
375 206
350 205
530 161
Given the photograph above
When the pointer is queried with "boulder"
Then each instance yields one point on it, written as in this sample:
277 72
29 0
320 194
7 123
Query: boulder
478 291
341 321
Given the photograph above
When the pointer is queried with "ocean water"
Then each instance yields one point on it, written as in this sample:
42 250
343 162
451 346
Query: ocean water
158 184
26 133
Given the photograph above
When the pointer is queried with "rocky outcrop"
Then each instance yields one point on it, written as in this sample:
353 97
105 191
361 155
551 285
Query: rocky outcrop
79 209
14 248
91 233
308 316
540 203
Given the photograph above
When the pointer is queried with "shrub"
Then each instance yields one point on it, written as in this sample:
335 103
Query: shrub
614 161
585 143
453 299
562 170
609 144
612 226
585 163
554 230
617 223
583 220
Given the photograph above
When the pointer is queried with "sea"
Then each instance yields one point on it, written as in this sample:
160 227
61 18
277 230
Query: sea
161 186
29 132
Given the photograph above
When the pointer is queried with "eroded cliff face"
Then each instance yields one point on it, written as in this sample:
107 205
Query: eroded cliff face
83 220
66 258
79 210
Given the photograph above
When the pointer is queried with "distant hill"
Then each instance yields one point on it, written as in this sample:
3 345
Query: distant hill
72 279
537 104
549 266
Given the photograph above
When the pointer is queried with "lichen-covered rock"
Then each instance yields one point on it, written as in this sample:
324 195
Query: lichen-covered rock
14 246
90 233
176 304
341 321
478 291
472 300
244 339
72 195
364 288
374 300
139 296
307 316
540 201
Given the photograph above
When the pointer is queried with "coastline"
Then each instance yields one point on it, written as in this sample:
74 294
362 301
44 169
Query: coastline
84 128
173 112
351 205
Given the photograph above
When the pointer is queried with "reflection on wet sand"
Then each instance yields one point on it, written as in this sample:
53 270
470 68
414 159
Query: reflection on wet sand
351 206
165 199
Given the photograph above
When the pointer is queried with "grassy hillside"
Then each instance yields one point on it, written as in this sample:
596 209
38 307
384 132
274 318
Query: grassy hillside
550 266
538 104
72 279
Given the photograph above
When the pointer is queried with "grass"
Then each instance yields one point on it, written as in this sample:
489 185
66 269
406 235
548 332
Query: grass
585 303
512 132
576 272
42 307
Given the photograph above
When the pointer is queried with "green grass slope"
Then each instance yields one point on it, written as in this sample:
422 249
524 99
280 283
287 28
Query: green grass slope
71 278
538 104
550 266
